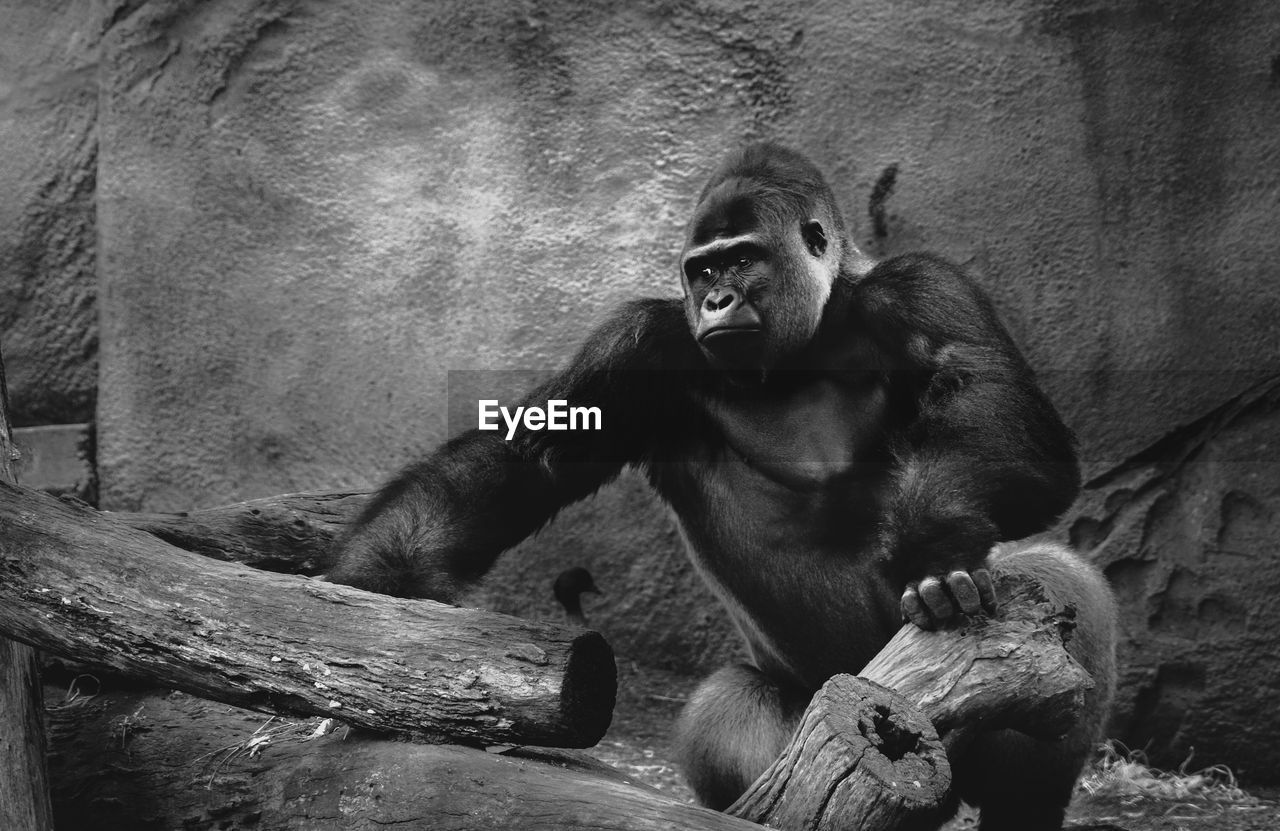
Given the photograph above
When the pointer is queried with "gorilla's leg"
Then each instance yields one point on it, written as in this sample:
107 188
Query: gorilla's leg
1024 783
735 725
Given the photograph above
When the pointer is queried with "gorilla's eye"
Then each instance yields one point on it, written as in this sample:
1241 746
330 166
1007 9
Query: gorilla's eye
745 262
705 273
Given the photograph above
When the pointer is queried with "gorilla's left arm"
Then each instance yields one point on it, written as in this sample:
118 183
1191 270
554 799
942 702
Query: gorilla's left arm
983 455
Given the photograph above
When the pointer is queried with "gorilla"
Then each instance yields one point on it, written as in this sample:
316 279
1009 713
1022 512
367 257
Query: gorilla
843 443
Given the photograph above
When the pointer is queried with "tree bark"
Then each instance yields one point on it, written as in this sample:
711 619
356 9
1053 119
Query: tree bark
290 533
24 790
83 586
127 760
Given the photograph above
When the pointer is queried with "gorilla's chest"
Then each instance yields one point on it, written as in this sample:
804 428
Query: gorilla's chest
808 436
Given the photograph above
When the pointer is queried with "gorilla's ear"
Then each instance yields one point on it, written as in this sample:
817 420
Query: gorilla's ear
815 239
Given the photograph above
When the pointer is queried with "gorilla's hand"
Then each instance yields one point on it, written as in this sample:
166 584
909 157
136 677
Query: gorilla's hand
937 598
398 553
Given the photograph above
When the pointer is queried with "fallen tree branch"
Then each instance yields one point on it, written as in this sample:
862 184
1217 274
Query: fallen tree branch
289 533
85 587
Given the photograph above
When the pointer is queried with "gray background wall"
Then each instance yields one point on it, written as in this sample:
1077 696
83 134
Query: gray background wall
252 239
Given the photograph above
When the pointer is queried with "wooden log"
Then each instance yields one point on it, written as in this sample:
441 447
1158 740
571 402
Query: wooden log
24 791
85 587
864 757
290 533
1011 670
146 760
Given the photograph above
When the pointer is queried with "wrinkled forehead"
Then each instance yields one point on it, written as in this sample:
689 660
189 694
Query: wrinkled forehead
736 207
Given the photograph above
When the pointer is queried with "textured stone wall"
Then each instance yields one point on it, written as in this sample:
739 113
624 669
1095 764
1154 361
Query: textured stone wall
48 169
304 216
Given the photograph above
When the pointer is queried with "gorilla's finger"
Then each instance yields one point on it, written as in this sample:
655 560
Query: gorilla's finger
961 586
913 608
986 588
935 598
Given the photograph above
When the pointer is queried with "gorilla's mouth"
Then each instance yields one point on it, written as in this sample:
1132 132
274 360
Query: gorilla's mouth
734 346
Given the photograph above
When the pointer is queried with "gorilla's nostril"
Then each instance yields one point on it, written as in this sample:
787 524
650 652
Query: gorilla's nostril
718 300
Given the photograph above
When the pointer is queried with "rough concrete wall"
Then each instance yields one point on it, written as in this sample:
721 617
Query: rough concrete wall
48 145
310 213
